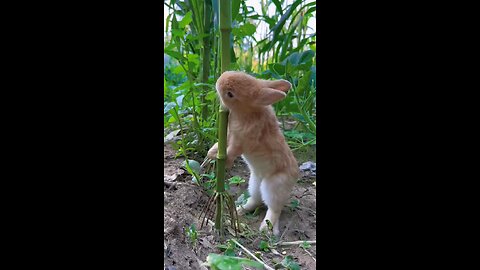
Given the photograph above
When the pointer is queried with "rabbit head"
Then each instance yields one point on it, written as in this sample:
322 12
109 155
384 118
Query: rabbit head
238 90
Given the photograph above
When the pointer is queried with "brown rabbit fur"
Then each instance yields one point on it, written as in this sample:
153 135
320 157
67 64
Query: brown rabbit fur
254 133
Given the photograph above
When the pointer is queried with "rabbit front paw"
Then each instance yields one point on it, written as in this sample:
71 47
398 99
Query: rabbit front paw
212 153
264 227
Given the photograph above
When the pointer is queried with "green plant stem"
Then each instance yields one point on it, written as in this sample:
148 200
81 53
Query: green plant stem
222 148
311 125
225 30
184 148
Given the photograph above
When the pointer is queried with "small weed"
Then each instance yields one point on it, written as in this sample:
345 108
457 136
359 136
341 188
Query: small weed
270 240
228 248
264 245
192 235
242 199
221 262
305 245
236 180
289 263
294 205
247 232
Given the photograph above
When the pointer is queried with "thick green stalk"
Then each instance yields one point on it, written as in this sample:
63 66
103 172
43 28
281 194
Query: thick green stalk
225 30
222 148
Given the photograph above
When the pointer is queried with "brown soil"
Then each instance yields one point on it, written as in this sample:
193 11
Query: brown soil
184 201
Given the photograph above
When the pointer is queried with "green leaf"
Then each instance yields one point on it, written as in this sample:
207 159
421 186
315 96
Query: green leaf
264 246
278 6
306 56
278 27
164 88
186 20
278 68
211 95
242 199
244 30
229 252
169 106
249 29
178 32
175 55
290 263
235 8
304 83
294 204
178 70
179 100
193 58
223 262
236 180
270 21
299 117
305 245
194 165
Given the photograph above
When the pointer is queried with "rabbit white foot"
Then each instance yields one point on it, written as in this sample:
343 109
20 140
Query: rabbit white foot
251 205
273 217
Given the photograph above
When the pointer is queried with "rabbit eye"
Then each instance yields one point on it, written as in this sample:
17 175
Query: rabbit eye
229 94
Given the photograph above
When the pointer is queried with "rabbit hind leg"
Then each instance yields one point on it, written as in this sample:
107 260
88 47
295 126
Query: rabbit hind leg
275 191
255 198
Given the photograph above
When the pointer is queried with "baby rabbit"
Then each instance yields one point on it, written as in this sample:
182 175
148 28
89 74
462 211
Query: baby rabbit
254 133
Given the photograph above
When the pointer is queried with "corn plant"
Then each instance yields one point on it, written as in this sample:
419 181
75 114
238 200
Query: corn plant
222 200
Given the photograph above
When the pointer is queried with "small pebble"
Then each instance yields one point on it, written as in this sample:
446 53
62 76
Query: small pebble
308 166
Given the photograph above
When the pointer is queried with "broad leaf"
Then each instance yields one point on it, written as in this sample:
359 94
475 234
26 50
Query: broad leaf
168 107
186 20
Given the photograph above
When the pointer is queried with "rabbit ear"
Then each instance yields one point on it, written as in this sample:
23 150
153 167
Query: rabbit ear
281 85
268 96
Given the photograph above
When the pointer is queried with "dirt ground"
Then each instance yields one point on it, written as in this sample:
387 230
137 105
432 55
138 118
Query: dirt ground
184 201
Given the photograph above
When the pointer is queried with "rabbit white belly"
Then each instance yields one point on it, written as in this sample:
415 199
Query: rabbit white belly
258 165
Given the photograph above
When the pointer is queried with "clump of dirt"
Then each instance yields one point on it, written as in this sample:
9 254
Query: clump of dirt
184 200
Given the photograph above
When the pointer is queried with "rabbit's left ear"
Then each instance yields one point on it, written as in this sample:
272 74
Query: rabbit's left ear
281 85
268 96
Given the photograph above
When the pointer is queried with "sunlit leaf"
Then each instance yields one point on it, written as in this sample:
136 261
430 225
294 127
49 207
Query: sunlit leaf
169 106
236 180
178 32
211 95
244 30
175 55
235 8
193 58
179 100
185 20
